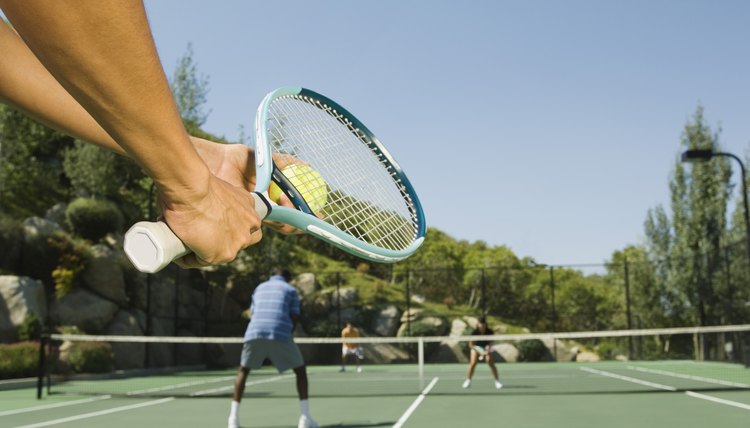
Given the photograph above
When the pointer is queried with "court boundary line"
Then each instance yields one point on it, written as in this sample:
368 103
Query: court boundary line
54 405
97 413
629 379
689 393
689 377
402 420
228 387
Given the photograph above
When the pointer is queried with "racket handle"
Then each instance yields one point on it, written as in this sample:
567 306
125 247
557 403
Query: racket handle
151 246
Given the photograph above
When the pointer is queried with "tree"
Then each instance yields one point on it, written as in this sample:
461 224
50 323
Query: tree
692 240
190 90
31 174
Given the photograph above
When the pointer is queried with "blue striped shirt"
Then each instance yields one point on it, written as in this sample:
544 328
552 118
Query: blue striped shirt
274 304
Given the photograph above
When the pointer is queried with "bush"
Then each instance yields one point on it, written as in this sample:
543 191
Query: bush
11 240
88 357
533 350
19 360
93 219
30 328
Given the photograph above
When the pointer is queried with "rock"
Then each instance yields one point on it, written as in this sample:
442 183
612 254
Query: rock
587 357
19 297
85 310
411 315
507 352
127 355
558 349
387 321
104 276
34 227
56 213
306 284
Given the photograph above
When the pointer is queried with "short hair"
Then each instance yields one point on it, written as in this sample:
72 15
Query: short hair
284 273
482 320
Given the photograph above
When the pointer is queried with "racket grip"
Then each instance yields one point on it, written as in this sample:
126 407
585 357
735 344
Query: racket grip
151 246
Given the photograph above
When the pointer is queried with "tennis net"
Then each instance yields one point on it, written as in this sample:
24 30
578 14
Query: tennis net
696 358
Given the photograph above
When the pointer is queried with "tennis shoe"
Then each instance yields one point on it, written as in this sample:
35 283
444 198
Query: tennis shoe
359 369
467 383
342 370
306 422
498 385
233 422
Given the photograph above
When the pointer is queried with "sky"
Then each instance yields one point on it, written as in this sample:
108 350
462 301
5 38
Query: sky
549 127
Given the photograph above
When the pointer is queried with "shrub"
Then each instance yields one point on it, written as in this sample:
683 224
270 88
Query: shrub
93 219
11 240
19 360
89 357
73 255
30 328
533 350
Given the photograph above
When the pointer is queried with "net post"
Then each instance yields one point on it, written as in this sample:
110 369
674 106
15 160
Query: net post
420 361
41 366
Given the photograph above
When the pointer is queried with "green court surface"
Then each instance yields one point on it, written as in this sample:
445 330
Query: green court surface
611 394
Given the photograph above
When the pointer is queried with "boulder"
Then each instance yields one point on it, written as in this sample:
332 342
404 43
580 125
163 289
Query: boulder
85 310
127 355
306 284
387 321
587 357
19 297
507 352
104 276
34 227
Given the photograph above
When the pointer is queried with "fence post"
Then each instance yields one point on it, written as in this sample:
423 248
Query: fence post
408 302
627 308
554 312
338 301
484 293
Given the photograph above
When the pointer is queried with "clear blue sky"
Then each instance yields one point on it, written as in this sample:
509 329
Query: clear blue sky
550 127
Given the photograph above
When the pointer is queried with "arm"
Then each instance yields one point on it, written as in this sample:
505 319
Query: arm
102 55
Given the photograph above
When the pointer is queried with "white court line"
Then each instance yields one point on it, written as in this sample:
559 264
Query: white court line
231 387
415 404
180 385
629 379
669 388
718 400
99 413
54 405
690 377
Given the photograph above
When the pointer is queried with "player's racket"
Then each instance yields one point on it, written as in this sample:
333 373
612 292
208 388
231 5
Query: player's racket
363 202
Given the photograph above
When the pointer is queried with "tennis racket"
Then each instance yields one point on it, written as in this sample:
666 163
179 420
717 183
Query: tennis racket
347 189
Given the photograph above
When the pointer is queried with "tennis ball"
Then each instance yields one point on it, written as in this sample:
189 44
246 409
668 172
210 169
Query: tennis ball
308 183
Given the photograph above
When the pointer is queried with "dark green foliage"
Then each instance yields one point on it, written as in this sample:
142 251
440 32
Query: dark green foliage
89 357
93 219
11 242
31 173
18 360
421 329
30 328
533 350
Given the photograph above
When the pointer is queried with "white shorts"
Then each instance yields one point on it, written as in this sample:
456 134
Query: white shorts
345 351
283 355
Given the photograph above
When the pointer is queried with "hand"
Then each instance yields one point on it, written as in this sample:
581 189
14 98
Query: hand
215 223
235 164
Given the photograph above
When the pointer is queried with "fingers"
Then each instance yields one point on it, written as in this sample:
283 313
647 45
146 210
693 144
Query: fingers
216 225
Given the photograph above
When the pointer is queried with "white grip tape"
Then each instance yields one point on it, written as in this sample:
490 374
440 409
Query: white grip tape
151 246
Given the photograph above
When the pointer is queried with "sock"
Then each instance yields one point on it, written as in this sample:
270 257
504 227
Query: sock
304 407
235 409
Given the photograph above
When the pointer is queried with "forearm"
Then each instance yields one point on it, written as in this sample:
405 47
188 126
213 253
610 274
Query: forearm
104 56
28 86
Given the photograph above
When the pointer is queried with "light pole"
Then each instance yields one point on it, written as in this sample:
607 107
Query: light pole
699 155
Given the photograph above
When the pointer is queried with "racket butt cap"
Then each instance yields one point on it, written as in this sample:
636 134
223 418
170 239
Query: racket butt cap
152 246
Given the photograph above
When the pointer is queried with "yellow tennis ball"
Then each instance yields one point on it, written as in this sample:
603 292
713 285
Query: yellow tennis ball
309 184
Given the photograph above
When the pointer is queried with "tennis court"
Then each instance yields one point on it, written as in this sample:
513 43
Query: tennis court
646 394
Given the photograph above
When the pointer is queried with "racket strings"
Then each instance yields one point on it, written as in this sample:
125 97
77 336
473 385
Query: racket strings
366 197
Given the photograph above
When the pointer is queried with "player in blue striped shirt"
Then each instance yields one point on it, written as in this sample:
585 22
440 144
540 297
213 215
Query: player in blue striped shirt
275 310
